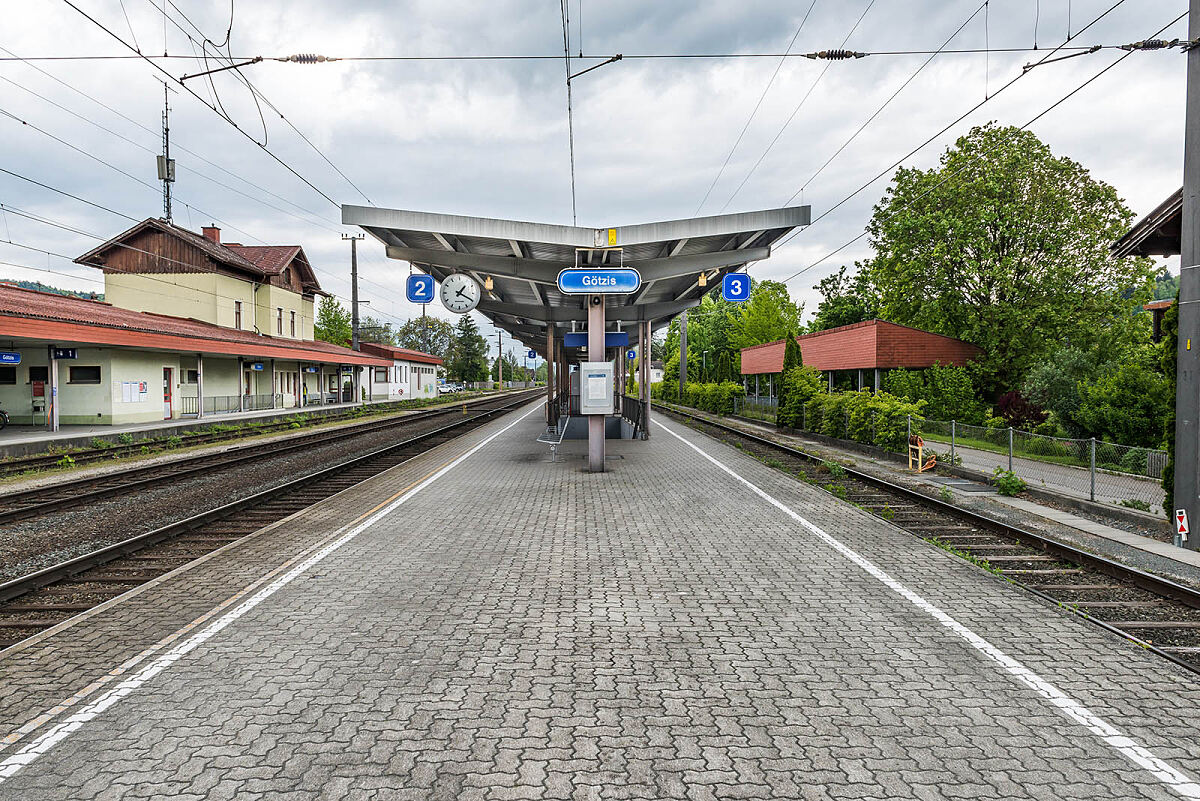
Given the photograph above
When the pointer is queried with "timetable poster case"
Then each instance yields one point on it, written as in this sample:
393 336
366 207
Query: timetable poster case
131 391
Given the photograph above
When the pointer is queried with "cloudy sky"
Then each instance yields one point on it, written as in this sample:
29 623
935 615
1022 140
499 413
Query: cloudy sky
489 137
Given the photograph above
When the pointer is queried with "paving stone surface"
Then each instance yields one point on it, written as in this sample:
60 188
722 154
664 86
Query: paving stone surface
521 629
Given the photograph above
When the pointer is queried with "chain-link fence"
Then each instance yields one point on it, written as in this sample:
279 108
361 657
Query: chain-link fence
1108 472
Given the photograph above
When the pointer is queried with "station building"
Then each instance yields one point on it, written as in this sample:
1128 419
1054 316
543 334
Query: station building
865 350
412 374
189 327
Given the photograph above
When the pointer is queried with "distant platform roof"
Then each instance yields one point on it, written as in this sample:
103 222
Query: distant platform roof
524 259
863 346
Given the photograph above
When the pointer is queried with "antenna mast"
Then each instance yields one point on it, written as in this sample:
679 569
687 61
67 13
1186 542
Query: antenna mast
166 164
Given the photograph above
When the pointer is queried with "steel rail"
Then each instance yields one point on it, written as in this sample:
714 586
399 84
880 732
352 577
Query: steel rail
24 585
192 465
1157 585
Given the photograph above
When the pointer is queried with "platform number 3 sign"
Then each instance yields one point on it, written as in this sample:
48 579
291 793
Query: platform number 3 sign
735 287
419 289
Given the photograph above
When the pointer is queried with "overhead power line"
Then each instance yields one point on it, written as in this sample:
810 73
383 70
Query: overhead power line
953 175
936 135
754 111
188 89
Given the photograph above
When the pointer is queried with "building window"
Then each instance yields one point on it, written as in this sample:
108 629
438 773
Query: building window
84 375
293 325
8 374
237 314
40 373
191 376
279 321
381 375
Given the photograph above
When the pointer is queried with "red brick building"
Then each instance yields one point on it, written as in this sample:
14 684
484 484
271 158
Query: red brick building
870 345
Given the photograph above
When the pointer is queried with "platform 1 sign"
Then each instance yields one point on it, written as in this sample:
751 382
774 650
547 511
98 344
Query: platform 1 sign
735 287
419 289
7 357
66 353
1181 524
599 281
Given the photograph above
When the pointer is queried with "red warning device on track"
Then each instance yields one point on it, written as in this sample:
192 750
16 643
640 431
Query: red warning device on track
1181 521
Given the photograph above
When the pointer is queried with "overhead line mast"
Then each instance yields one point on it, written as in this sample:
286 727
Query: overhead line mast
1187 385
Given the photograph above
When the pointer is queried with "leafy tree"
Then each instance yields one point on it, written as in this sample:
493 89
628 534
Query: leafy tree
1006 245
844 300
373 330
948 392
797 387
767 316
332 323
1168 362
1129 404
1053 384
792 358
1166 285
467 359
431 335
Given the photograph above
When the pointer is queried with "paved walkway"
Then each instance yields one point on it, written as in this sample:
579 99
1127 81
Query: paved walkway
1075 482
481 623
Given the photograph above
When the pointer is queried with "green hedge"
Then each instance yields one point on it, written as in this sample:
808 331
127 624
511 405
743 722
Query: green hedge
864 417
799 385
717 398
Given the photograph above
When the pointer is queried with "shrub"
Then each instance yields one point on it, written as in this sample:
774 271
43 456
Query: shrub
66 461
1007 482
100 444
716 398
1134 461
1018 411
174 441
1128 404
863 417
1047 447
798 386
1134 503
125 438
945 494
995 423
948 392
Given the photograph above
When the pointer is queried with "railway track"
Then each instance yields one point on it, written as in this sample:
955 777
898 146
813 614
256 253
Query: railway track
25 464
23 504
43 599
1155 612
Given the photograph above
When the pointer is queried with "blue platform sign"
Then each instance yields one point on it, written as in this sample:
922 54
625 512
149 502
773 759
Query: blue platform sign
7 357
631 354
612 339
532 354
599 281
419 289
256 366
735 287
66 353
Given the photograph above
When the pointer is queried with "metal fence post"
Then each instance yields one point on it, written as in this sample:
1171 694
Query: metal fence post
908 428
1092 470
1010 443
952 433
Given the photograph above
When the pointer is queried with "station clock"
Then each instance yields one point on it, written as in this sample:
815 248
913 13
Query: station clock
460 293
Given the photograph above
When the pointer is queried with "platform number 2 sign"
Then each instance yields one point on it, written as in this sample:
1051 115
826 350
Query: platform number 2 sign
735 287
419 289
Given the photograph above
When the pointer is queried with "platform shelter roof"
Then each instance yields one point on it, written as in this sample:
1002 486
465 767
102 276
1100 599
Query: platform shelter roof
863 346
523 260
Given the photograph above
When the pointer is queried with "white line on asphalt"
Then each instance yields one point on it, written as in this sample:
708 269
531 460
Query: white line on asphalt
1123 744
55 735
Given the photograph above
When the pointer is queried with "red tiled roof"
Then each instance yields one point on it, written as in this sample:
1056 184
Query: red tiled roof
403 354
25 313
1155 305
271 259
863 346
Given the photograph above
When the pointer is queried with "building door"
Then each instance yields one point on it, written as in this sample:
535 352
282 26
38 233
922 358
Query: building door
167 385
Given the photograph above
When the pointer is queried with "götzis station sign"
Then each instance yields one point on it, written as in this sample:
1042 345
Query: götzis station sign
600 281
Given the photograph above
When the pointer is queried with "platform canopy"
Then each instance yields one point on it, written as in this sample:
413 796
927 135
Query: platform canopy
523 260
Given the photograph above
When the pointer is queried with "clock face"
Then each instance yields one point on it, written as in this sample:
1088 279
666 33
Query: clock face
460 293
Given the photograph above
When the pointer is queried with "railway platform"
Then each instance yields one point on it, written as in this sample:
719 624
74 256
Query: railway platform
484 622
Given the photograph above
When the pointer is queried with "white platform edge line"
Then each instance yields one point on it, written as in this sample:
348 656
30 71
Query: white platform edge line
1072 709
15 762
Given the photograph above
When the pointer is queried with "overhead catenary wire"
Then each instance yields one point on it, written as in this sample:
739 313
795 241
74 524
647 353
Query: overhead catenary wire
754 111
566 27
936 135
884 105
255 92
189 90
951 176
796 110
154 133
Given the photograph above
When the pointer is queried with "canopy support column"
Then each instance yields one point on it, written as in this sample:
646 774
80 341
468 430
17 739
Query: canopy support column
596 422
